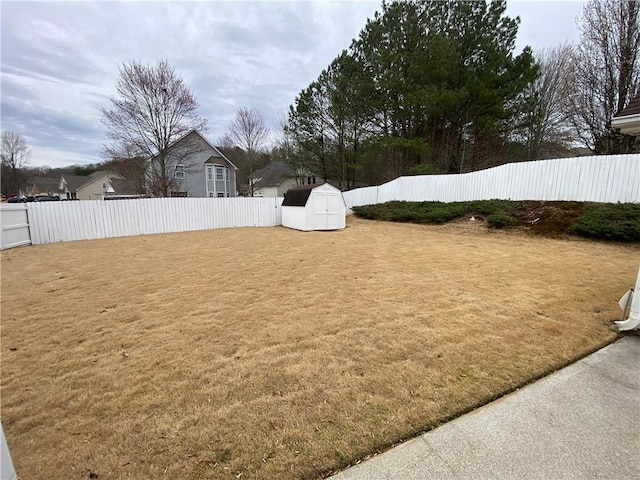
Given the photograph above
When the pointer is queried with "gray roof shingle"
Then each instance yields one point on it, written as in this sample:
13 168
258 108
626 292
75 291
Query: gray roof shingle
273 174
633 108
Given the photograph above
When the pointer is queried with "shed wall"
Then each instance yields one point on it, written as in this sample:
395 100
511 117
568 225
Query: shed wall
296 217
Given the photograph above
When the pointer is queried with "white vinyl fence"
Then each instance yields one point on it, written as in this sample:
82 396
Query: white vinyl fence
604 179
15 226
52 222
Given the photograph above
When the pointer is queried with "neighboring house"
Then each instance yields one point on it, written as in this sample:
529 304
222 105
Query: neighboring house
199 169
628 119
43 186
92 187
119 189
276 178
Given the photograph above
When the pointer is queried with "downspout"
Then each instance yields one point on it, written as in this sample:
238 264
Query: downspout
633 322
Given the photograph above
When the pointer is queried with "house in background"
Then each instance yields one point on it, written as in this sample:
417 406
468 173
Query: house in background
277 178
628 119
43 186
198 169
121 189
92 187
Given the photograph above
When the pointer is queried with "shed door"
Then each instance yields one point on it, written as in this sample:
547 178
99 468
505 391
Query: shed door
326 209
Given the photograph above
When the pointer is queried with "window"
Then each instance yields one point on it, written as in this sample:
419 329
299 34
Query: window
104 184
311 180
220 194
209 173
179 172
219 173
211 194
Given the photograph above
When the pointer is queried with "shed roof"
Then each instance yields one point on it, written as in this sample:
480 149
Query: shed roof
298 196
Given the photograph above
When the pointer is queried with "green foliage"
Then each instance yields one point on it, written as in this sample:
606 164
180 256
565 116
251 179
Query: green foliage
431 212
610 222
499 220
83 171
425 83
620 222
425 169
489 207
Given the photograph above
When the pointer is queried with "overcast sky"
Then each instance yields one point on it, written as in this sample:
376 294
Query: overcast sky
60 59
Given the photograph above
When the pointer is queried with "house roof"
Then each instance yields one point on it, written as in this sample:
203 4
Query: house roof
633 108
217 152
298 196
214 159
273 174
124 187
75 182
46 182
628 119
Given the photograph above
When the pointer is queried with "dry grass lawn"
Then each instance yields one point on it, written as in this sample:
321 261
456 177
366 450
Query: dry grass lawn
271 353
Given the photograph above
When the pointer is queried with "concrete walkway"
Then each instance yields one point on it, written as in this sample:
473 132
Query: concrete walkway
581 422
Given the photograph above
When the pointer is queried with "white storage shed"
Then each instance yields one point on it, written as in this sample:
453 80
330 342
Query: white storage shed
314 207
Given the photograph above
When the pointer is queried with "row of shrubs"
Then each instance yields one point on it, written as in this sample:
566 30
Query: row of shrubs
619 222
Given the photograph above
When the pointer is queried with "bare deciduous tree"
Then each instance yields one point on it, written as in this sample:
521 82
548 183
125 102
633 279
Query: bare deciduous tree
606 73
153 109
249 132
543 122
15 157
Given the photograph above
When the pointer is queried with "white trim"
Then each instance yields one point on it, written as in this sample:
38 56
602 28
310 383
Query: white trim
629 124
207 169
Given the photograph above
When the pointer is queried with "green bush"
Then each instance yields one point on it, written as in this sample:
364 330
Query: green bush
619 222
609 221
489 207
498 220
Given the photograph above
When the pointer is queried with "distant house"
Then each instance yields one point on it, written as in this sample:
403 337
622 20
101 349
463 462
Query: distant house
92 187
43 186
276 178
197 168
119 189
628 119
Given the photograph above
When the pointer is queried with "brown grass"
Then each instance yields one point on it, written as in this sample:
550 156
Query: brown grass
271 353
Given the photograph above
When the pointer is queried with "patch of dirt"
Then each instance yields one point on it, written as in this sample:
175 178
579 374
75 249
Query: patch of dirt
551 219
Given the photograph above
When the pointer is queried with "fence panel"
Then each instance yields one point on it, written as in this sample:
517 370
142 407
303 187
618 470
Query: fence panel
92 219
15 226
605 178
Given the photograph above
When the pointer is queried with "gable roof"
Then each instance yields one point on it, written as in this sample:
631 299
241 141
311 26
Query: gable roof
124 187
76 182
298 196
45 182
272 175
217 153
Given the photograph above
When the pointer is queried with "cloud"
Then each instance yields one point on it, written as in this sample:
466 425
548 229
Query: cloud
60 60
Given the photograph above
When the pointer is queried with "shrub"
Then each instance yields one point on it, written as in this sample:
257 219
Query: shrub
609 221
499 220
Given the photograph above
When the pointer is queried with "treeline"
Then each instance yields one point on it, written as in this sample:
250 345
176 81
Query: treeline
436 87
